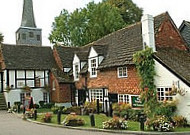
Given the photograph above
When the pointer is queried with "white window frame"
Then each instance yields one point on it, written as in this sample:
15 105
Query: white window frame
122 72
95 94
93 67
163 94
124 98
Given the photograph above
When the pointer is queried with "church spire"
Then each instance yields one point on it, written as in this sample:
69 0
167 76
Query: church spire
28 15
28 33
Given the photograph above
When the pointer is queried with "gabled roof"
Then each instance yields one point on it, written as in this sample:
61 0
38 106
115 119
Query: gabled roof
185 31
66 55
177 61
27 57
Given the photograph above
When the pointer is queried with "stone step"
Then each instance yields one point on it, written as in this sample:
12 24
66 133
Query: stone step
3 105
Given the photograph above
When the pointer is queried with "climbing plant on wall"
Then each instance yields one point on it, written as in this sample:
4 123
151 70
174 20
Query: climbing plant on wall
145 66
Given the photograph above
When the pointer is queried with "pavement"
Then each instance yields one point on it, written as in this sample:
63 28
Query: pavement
12 124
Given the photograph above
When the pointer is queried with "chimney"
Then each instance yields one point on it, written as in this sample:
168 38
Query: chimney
148 31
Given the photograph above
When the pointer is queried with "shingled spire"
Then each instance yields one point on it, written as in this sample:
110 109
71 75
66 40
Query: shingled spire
27 33
28 14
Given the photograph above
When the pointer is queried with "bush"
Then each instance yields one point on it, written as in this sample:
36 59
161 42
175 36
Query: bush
160 123
179 121
17 103
36 106
167 109
55 109
48 105
90 107
42 104
47 117
73 120
115 123
75 109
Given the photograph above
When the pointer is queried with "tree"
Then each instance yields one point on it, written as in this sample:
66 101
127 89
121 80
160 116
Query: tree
1 37
128 10
87 24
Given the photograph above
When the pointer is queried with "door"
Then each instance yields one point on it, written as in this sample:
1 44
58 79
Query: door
81 97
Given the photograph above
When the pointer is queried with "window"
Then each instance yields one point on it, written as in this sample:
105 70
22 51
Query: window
24 36
22 98
31 34
45 97
122 72
38 37
53 85
123 98
93 68
96 94
76 72
164 94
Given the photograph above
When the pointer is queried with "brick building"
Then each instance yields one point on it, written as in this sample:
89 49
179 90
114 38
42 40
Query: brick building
104 69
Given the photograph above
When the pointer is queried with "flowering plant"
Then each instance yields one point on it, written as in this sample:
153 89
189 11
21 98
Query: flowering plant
160 123
47 117
115 123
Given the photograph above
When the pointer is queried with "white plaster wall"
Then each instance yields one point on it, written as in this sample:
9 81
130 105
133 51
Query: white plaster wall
76 61
14 95
12 78
164 78
100 59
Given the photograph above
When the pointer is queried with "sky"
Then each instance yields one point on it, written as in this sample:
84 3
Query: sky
46 10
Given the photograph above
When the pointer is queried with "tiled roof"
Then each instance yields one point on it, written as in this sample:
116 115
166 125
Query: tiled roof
61 76
176 61
66 55
185 31
27 57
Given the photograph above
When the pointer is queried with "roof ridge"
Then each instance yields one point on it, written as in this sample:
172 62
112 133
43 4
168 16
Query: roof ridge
27 45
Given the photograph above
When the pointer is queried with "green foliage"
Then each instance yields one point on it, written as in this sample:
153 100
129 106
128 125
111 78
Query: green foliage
75 109
1 37
36 106
42 104
121 107
90 107
86 25
73 120
179 121
128 10
48 105
145 66
166 108
55 109
115 123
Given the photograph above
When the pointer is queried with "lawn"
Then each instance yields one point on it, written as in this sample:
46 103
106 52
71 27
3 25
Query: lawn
134 126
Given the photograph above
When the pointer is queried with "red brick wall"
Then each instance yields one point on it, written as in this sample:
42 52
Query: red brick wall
57 58
109 79
168 36
62 92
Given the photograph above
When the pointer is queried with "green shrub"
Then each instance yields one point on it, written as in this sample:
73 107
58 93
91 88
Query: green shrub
55 109
36 106
73 120
115 123
48 105
17 103
75 109
42 104
90 107
159 123
179 121
166 108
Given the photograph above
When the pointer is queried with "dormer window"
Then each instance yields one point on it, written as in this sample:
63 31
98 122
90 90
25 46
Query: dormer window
122 72
93 72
